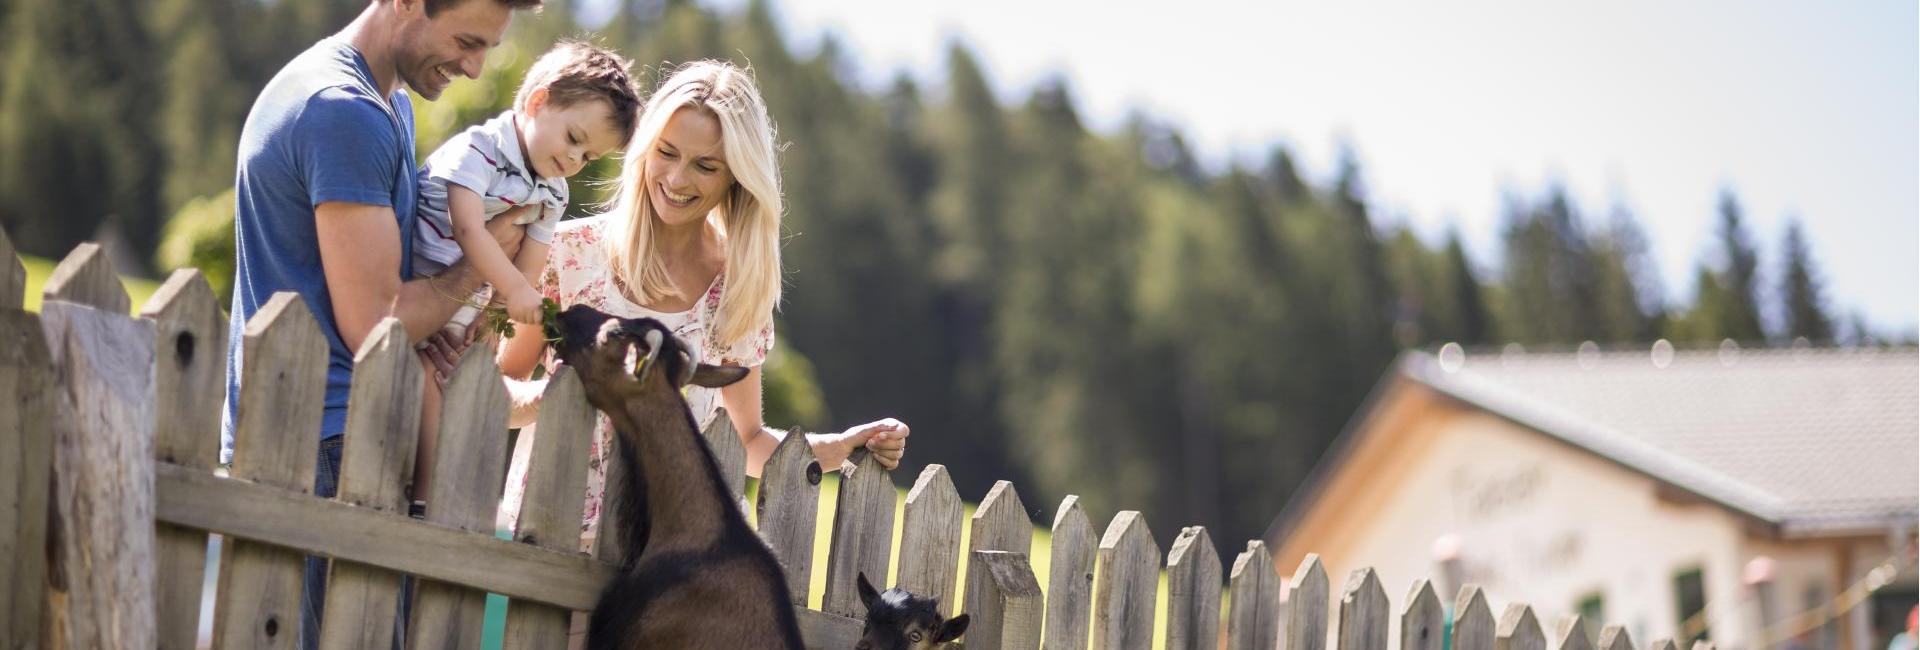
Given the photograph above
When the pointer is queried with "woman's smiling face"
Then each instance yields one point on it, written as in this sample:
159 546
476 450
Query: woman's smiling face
687 174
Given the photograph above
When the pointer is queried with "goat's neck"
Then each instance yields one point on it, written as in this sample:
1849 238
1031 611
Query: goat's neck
686 499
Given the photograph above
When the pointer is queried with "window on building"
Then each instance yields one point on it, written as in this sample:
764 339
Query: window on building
1690 594
1593 608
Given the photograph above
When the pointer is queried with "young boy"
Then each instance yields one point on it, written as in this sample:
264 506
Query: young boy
576 104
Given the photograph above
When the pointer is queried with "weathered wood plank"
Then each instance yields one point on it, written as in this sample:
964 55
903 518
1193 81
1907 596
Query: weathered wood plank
1363 612
1519 630
1129 570
27 403
1571 634
285 518
87 277
930 527
999 524
13 275
190 340
1005 605
1473 624
723 441
1253 619
1070 578
276 443
862 536
469 466
822 631
1614 637
102 467
1307 601
1193 591
376 463
1423 622
552 506
1703 645
1662 644
788 505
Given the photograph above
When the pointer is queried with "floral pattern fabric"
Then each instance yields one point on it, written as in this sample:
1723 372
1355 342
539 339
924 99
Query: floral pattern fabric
578 272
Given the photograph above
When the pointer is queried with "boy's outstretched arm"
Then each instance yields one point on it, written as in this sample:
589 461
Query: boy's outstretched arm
480 251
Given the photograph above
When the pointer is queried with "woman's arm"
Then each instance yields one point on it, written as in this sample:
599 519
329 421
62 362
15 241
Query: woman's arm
518 356
887 438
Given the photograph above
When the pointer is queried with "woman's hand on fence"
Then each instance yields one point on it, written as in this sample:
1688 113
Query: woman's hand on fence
886 438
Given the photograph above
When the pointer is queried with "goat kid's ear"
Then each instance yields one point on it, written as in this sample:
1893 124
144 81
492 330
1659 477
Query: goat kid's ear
712 376
867 593
952 629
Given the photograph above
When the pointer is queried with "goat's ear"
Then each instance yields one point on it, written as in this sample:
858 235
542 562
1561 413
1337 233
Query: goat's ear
712 376
952 629
867 592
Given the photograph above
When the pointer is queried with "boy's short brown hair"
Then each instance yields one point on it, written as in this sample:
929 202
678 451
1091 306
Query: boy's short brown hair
574 72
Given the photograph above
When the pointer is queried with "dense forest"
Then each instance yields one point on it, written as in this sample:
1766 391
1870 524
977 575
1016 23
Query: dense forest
1080 312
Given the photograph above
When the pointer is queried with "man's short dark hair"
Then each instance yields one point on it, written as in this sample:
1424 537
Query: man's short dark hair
434 7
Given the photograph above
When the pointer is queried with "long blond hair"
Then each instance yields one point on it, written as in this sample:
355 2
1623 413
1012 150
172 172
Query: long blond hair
749 216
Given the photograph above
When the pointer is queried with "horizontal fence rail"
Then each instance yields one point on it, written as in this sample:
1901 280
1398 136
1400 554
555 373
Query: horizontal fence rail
108 452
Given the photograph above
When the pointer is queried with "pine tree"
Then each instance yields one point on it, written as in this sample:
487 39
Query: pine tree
204 100
1474 322
1800 290
1739 306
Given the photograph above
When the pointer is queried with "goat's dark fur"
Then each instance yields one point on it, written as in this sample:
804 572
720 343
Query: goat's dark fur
901 620
693 575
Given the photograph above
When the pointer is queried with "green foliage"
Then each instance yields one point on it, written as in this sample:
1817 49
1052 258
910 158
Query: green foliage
200 236
1806 314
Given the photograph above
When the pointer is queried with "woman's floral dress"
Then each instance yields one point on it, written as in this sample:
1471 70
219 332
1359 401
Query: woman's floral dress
579 273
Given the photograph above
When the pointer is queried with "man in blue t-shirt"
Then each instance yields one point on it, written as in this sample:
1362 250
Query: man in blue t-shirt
324 196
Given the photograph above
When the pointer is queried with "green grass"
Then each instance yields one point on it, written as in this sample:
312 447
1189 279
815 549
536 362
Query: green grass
39 269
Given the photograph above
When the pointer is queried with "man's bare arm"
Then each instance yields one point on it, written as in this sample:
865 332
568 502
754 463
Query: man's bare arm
360 254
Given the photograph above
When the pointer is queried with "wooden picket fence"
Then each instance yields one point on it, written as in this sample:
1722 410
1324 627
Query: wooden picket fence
107 461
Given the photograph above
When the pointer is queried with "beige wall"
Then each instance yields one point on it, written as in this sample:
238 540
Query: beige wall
1537 521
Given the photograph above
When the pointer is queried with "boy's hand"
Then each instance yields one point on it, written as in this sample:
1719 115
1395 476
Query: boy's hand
523 306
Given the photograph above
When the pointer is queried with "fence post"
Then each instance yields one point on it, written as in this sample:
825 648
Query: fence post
26 473
1253 620
103 457
1006 603
1363 612
723 441
1123 599
1662 644
376 461
1519 630
190 380
1614 637
1070 578
276 442
1423 620
552 505
1193 591
789 504
1473 626
470 458
1571 634
999 524
1307 606
930 538
13 275
862 536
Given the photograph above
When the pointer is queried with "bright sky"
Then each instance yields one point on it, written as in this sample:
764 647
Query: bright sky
1802 108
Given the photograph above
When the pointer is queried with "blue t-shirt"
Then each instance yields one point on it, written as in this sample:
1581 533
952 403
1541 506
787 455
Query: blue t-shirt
320 131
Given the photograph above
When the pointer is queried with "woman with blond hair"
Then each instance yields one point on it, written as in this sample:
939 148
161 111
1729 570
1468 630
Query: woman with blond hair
692 239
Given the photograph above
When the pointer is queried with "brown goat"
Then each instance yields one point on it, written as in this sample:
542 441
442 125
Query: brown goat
694 574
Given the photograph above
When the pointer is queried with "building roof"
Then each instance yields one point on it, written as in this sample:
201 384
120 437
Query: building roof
1814 441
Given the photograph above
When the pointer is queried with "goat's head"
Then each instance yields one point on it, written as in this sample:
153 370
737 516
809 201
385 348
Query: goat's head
619 358
901 620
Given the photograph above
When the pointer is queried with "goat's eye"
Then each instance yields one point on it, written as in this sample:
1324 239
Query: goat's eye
914 637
